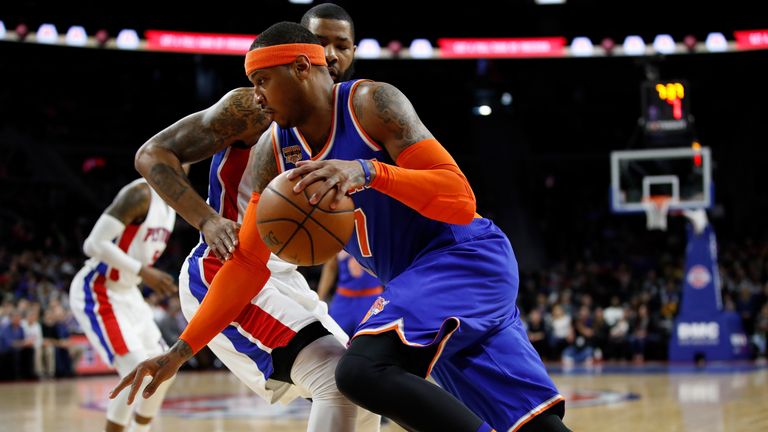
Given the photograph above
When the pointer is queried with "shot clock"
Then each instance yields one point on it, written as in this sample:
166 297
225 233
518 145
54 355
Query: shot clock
666 107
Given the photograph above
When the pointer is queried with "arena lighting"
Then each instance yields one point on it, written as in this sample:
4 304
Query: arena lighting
2 30
127 39
634 45
47 34
368 48
690 42
715 42
664 44
420 48
608 45
482 110
581 46
102 36
300 1
395 46
506 98
76 36
549 2
22 31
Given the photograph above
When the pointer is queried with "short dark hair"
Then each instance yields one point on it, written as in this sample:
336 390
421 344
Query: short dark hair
285 32
328 11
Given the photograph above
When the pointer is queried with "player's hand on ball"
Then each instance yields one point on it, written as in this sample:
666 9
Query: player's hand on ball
340 175
221 235
160 281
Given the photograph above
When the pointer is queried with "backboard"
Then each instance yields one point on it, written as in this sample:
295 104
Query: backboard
681 174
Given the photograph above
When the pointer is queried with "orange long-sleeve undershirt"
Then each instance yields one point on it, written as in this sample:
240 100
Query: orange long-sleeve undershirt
234 286
428 180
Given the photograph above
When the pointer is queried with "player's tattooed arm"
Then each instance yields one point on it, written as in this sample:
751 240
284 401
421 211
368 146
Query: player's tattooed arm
131 205
388 117
233 120
181 350
263 162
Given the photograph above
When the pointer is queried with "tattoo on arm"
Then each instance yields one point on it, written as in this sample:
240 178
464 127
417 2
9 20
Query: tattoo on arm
168 181
264 164
235 118
182 349
398 115
131 205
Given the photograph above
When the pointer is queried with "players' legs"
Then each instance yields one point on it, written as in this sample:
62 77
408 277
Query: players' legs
380 373
147 409
312 372
502 379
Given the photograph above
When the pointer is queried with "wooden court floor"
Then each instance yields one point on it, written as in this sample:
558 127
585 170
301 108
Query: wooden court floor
724 400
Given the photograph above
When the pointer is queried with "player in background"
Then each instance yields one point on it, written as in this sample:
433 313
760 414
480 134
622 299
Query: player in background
106 298
355 292
277 340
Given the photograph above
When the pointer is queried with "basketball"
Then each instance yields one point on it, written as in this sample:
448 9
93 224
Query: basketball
297 231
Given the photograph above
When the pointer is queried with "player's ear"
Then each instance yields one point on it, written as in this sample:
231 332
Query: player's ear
301 67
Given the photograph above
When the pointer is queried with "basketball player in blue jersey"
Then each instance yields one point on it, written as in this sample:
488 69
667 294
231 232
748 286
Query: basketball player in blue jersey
276 338
356 290
449 307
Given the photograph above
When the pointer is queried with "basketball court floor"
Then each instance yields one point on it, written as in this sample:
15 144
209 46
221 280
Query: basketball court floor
625 398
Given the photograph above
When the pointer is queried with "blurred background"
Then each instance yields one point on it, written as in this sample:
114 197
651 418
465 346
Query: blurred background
533 133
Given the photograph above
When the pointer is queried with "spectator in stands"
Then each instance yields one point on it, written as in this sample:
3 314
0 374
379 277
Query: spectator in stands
561 329
580 340
537 333
33 334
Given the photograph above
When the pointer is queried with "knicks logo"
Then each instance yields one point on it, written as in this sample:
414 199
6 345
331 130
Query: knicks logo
376 308
292 154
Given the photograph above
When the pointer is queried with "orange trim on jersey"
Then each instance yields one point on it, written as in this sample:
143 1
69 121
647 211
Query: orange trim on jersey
331 137
276 55
536 411
397 327
348 292
428 180
370 142
361 228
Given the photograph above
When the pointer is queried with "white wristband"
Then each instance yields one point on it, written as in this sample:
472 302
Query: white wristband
99 245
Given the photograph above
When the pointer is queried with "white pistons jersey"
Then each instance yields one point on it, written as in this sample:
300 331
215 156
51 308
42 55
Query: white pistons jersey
144 241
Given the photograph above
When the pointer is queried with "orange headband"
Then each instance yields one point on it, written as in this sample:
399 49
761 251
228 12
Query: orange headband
267 57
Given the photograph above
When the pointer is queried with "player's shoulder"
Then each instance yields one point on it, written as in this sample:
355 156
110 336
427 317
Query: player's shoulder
237 116
238 101
376 95
137 192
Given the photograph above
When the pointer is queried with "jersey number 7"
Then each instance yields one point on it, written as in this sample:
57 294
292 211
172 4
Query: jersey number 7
361 228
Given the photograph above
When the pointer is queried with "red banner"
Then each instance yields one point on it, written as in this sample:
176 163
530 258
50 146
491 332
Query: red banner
90 362
751 39
202 43
502 48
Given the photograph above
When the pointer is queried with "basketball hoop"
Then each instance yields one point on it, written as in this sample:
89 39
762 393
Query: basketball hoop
656 211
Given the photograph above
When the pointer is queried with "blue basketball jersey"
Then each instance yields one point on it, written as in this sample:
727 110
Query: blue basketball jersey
443 281
351 279
377 215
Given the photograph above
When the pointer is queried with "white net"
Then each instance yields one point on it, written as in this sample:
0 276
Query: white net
656 212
